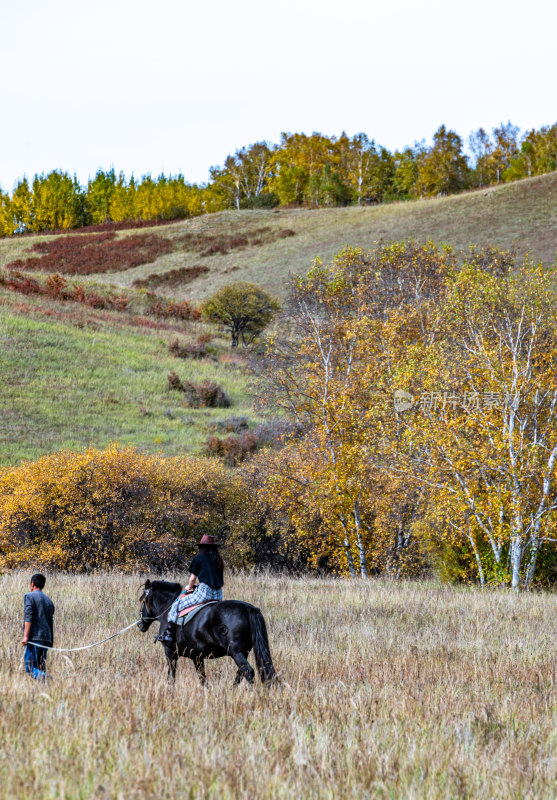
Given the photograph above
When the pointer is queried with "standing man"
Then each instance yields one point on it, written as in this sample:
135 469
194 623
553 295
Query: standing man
38 627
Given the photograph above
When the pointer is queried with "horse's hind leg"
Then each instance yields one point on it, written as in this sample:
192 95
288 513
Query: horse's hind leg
244 668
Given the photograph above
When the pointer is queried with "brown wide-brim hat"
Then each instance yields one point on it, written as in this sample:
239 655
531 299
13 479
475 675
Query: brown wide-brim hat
206 539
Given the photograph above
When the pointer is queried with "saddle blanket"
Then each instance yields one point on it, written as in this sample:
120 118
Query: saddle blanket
189 613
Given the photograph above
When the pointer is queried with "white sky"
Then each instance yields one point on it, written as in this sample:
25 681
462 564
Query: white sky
175 85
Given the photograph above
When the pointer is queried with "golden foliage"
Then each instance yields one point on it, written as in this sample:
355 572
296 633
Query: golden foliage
479 341
114 508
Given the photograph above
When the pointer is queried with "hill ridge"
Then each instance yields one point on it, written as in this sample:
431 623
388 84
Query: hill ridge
521 215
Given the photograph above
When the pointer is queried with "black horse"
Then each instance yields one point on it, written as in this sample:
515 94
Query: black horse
226 628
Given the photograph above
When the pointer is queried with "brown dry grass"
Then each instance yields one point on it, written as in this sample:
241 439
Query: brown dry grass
387 691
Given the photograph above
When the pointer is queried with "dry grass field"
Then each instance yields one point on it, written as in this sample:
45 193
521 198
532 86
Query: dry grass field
387 690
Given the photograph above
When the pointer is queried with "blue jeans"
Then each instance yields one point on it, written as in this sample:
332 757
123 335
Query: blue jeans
35 661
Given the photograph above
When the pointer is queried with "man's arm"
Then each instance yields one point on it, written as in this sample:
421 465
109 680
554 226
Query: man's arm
26 631
28 614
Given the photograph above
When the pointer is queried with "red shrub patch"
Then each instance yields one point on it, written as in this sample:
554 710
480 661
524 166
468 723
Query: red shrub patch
195 350
95 300
55 286
215 249
121 302
174 277
21 283
238 241
206 393
169 308
97 253
174 382
209 244
79 293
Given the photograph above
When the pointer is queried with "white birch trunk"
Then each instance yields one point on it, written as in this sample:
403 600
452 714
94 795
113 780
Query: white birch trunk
477 556
361 549
532 564
516 560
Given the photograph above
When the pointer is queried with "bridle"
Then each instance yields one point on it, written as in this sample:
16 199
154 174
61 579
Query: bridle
145 599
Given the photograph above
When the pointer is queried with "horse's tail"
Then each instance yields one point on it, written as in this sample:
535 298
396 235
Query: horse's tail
261 650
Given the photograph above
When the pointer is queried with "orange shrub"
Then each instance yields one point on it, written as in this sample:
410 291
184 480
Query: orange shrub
116 508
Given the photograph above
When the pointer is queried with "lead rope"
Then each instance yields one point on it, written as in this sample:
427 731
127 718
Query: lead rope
96 644
85 646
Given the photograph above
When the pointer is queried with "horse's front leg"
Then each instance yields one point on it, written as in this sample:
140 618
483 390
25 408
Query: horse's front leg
171 660
200 669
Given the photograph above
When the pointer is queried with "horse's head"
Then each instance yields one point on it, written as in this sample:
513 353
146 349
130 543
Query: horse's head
156 599
147 615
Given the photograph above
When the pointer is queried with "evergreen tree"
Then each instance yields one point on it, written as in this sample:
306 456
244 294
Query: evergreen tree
100 191
122 203
21 208
6 216
58 202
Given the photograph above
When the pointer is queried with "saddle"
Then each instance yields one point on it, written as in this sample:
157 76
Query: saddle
189 613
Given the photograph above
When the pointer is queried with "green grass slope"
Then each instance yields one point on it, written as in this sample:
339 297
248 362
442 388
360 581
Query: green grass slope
521 215
73 377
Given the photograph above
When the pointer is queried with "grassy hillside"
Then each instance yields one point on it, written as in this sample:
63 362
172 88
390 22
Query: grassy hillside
404 690
257 246
74 376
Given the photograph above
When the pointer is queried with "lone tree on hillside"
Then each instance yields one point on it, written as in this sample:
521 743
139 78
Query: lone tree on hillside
244 309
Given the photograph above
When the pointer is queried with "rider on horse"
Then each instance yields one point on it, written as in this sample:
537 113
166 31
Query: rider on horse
206 567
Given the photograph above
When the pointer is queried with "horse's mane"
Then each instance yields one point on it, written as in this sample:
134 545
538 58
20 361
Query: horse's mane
167 586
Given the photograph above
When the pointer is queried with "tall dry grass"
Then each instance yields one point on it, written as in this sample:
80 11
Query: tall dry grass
387 691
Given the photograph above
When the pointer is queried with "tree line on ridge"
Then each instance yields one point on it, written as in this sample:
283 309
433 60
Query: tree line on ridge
301 170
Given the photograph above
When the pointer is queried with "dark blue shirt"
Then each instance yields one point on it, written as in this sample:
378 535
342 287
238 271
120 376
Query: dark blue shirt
38 609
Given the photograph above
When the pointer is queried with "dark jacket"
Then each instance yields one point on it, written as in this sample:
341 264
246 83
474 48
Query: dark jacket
38 609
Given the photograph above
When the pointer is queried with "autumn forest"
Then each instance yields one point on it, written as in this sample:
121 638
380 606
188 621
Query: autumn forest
301 170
